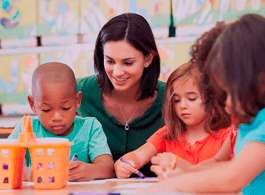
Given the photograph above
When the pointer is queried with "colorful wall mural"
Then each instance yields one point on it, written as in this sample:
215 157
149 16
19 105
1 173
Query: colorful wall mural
61 22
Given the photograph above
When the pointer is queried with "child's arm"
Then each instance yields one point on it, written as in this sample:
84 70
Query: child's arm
136 158
101 168
231 176
162 161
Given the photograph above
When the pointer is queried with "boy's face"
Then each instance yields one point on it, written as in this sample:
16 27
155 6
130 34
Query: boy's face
55 105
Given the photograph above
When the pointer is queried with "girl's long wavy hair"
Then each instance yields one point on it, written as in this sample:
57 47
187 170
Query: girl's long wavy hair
237 60
175 126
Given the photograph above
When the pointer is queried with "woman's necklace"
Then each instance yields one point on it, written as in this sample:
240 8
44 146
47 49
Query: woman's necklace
126 121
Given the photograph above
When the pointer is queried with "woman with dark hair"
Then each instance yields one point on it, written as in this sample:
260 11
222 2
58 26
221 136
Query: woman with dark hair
125 95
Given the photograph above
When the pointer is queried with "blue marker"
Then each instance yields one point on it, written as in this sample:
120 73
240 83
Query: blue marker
74 158
139 173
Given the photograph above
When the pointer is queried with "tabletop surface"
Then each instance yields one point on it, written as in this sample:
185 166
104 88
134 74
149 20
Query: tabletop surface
123 186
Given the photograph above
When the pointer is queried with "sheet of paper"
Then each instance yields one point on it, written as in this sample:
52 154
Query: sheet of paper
125 192
135 179
28 183
136 185
153 193
4 191
100 181
74 183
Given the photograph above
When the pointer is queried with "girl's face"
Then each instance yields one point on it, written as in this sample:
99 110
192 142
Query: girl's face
124 65
229 107
188 102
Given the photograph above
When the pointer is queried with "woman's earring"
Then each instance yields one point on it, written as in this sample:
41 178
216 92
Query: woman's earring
146 66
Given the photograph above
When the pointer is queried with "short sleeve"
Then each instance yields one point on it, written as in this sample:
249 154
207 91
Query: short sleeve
16 131
257 134
224 133
158 141
98 142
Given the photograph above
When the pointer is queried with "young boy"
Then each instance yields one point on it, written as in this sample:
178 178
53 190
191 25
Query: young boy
54 100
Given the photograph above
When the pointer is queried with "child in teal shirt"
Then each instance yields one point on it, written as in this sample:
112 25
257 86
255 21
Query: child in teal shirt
54 100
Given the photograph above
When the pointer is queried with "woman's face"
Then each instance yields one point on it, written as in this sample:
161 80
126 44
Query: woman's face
124 65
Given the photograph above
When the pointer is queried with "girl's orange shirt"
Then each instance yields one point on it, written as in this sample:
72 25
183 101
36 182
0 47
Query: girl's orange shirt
202 150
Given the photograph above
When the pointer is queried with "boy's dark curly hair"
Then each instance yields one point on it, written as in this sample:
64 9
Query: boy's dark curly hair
214 100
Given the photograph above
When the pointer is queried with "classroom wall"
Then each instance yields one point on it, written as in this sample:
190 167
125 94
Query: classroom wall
33 32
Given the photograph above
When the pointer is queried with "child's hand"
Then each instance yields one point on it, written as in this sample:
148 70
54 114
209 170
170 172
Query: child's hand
163 174
123 170
165 160
79 171
27 174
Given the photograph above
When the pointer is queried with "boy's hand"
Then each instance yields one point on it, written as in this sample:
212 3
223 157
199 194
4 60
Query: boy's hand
79 171
123 170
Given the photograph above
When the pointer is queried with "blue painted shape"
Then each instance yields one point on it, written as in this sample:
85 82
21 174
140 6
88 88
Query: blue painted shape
133 8
49 59
5 4
8 88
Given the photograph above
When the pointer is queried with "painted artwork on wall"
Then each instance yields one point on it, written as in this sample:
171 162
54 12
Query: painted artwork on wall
172 56
16 21
58 21
15 81
80 60
200 12
18 25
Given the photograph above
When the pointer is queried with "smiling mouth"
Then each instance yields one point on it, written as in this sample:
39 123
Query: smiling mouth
120 80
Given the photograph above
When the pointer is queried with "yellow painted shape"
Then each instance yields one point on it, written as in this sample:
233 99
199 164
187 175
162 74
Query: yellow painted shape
23 59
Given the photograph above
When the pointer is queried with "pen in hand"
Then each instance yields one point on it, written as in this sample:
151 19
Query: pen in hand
139 173
74 158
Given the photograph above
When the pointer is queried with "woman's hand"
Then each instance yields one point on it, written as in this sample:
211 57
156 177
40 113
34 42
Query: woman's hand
123 170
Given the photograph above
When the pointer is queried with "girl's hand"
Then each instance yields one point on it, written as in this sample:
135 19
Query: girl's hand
79 171
123 170
161 174
165 160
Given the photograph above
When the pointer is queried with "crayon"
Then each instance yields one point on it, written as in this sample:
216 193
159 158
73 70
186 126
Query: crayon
74 158
139 173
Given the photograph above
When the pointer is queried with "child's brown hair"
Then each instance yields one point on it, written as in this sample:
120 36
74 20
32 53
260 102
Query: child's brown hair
217 117
214 99
237 58
175 126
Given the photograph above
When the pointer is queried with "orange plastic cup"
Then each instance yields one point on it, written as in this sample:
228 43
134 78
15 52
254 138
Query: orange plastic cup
50 162
12 158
